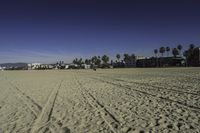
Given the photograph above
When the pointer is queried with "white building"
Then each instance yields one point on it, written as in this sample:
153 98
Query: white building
140 57
34 66
50 66
85 66
66 66
2 68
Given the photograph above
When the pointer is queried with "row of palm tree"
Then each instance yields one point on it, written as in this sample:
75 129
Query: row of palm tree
191 54
98 60
175 51
127 59
95 60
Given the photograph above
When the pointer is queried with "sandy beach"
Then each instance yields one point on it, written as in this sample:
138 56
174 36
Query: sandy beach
107 101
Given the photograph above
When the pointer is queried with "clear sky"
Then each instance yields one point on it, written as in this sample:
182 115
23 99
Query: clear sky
48 31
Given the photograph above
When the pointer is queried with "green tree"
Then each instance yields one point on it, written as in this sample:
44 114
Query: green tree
80 62
126 58
162 50
90 61
168 49
190 51
105 59
75 61
175 52
94 60
191 46
185 53
129 59
179 47
118 57
156 55
133 58
98 61
87 61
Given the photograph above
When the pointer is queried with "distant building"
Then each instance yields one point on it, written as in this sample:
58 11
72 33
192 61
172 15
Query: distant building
161 62
85 66
130 63
140 57
29 66
73 66
66 66
34 66
50 66
60 65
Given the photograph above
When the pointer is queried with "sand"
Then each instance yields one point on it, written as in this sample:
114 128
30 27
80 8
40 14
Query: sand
106 101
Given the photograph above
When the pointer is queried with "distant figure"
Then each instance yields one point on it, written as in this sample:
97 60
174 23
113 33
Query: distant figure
94 69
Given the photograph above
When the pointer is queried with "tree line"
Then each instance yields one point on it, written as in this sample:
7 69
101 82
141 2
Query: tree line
191 54
104 61
175 51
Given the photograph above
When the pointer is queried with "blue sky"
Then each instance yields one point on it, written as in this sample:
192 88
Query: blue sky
48 31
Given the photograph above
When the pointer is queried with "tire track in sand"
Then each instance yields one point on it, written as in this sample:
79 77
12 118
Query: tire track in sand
109 118
155 96
28 101
156 86
148 84
178 95
44 117
38 111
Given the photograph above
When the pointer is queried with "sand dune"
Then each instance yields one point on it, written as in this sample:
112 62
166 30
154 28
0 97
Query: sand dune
107 101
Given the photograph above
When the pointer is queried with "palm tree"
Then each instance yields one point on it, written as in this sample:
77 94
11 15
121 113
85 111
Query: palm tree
94 60
175 52
156 52
185 53
162 50
87 62
192 46
179 47
75 61
126 58
133 59
105 59
167 49
80 61
98 61
118 56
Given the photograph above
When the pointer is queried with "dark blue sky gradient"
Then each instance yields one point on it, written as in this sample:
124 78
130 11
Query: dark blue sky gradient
47 31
